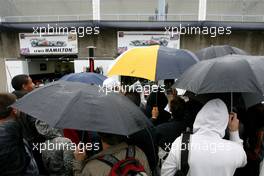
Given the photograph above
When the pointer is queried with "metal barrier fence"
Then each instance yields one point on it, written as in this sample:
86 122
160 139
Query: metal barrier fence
134 17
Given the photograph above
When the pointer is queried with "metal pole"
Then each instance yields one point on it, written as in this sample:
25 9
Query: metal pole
231 110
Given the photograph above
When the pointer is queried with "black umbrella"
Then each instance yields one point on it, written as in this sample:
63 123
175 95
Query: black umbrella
240 100
84 77
80 106
218 51
231 73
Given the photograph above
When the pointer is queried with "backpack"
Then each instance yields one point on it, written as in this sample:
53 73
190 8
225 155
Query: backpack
126 167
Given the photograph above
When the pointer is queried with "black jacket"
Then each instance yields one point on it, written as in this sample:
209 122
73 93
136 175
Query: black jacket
168 132
15 160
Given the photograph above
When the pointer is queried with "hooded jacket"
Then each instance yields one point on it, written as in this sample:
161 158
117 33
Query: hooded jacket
209 154
58 159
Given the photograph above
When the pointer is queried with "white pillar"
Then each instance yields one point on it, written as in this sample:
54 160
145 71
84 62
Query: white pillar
202 10
3 80
96 10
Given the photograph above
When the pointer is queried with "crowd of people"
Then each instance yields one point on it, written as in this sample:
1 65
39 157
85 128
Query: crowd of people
222 142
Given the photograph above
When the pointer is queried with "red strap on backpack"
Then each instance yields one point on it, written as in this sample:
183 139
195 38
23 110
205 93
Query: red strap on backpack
128 166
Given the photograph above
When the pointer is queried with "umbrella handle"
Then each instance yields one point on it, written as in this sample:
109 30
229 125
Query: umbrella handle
82 137
231 110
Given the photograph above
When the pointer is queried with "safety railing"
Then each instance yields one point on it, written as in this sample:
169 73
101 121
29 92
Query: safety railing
134 17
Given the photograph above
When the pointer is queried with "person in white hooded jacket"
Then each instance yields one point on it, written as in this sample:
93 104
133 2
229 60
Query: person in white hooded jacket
209 153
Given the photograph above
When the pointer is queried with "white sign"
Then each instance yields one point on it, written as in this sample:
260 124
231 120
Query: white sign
130 39
47 44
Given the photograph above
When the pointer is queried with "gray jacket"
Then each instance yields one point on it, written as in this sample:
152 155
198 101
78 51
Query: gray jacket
56 152
94 167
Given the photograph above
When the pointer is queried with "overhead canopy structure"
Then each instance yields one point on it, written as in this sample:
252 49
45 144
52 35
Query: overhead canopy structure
157 25
136 14
174 10
48 10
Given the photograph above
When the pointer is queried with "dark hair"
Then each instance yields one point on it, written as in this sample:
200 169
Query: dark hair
18 81
134 97
158 99
112 139
6 99
177 107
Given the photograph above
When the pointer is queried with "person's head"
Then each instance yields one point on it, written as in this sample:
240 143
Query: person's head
256 116
134 97
22 83
111 139
177 107
212 118
6 100
168 83
157 99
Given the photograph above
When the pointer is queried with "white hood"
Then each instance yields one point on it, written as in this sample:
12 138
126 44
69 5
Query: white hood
111 82
212 119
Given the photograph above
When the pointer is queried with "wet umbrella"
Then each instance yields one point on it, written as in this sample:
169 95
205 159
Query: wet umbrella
88 78
231 73
153 63
80 106
240 100
218 51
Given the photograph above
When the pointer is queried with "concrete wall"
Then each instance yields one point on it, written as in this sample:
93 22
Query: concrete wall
10 44
47 7
106 44
128 7
250 41
235 7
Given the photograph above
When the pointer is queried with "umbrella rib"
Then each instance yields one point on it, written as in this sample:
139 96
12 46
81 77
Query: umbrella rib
120 117
158 50
192 55
257 86
233 51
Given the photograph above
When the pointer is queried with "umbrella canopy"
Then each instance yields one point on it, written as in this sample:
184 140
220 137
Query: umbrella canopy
218 51
242 100
153 63
231 73
76 105
88 78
